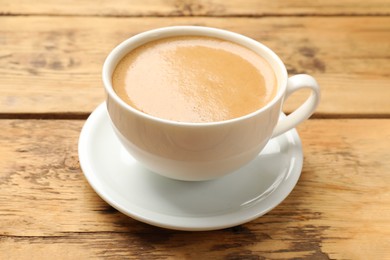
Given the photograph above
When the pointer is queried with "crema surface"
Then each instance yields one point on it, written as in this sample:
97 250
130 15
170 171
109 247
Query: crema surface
194 79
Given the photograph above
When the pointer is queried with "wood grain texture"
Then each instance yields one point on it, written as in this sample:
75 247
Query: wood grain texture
195 7
53 64
340 208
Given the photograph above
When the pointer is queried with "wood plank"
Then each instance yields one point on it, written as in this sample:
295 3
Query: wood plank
340 208
195 8
53 64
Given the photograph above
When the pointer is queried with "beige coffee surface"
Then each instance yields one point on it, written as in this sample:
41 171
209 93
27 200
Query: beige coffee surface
194 79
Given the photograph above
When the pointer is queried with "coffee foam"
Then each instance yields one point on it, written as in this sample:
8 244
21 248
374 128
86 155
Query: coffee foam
194 79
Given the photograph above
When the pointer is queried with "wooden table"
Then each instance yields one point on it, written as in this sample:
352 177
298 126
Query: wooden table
51 54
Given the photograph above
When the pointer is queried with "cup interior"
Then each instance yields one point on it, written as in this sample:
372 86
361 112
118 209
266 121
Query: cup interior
128 45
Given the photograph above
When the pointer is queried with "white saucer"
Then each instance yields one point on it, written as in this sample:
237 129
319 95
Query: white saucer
234 199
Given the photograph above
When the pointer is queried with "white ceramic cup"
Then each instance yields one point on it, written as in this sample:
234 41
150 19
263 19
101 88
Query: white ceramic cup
203 151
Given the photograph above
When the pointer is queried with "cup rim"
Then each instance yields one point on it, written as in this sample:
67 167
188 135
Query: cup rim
137 40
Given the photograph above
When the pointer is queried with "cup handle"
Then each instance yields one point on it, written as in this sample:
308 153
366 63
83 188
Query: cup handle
303 112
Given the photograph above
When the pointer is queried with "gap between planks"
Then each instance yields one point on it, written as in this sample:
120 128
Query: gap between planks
4 14
85 115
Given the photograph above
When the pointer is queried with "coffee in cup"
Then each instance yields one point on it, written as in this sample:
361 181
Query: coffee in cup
194 79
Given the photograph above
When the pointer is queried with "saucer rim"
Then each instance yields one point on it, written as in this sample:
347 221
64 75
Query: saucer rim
176 223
